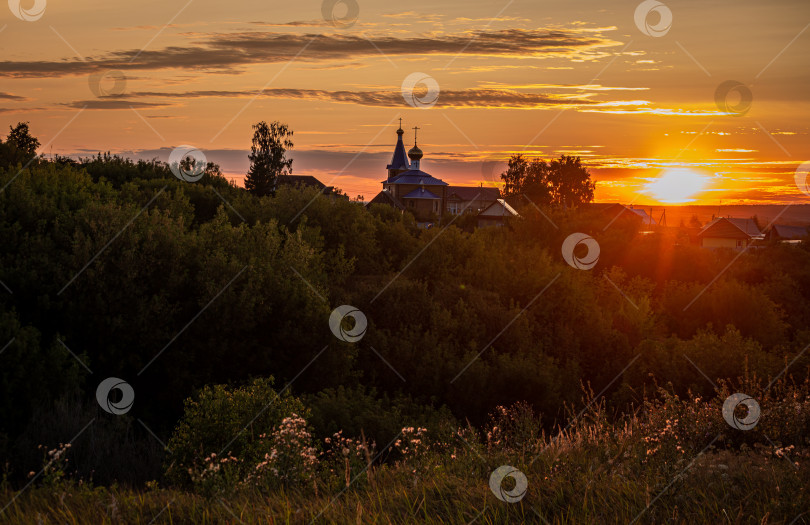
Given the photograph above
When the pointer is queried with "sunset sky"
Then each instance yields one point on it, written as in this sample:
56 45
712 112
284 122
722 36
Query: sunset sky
542 78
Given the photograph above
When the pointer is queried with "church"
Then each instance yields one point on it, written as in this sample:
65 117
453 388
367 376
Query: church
408 188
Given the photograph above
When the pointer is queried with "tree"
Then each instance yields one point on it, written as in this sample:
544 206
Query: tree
20 147
564 182
570 183
524 177
268 157
21 138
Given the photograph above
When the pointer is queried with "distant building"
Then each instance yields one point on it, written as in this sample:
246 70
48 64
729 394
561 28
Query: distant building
788 234
728 232
496 214
386 198
645 219
409 188
307 181
470 199
613 211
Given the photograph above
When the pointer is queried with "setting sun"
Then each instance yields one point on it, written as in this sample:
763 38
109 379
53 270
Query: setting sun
677 185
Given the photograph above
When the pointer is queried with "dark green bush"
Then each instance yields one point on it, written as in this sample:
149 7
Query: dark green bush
228 422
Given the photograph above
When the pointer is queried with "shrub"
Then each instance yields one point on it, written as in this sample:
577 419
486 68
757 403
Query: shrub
233 422
363 412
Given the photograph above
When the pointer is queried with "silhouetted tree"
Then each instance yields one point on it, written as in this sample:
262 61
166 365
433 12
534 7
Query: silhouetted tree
268 157
564 182
529 178
20 147
21 138
569 182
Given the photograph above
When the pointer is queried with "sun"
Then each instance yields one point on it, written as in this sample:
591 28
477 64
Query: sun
677 185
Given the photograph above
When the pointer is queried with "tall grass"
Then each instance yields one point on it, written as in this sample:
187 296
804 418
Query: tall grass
672 460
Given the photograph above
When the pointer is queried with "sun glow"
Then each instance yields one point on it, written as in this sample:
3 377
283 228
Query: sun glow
677 185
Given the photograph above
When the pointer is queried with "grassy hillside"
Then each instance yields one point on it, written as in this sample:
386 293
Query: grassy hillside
672 461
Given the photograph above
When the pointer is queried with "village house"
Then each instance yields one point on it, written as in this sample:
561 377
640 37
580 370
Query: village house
728 232
496 214
470 199
786 234
306 181
613 210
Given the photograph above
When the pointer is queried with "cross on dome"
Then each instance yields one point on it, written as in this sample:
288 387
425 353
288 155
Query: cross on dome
415 154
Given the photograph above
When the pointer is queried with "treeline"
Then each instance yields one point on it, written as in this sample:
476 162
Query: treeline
115 268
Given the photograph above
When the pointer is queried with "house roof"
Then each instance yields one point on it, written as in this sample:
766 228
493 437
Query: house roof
731 228
416 177
499 208
421 193
300 180
616 209
601 206
471 193
645 219
788 232
385 197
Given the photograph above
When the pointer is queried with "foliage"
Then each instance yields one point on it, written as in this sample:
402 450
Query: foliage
564 182
377 416
173 286
220 423
268 157
34 372
527 177
19 148
674 458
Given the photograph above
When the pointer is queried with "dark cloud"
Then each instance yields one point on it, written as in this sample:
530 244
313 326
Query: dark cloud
325 164
295 23
113 104
229 52
21 111
9 96
468 98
